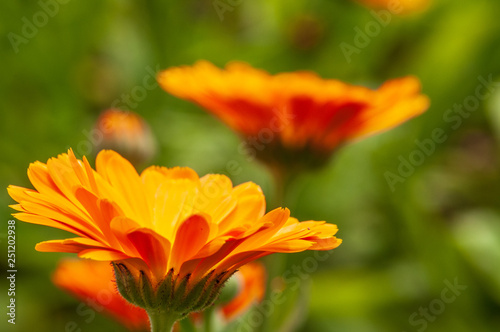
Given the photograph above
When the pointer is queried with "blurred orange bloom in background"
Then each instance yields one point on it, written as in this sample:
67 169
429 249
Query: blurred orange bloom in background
162 221
127 133
398 6
297 114
93 282
252 279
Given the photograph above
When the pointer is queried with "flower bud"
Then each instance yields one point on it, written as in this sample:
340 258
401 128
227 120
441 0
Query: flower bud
126 133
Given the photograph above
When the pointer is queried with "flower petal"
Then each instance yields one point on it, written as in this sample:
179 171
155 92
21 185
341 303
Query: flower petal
153 248
73 245
190 238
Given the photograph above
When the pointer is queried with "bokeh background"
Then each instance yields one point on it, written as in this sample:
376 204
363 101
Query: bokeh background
401 244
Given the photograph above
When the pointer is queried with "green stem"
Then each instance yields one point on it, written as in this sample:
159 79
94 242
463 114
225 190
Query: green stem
282 179
187 325
208 319
161 321
275 264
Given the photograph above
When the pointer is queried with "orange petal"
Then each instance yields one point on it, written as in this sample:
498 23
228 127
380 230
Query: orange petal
114 168
103 255
174 201
40 220
39 176
288 246
73 245
120 227
190 238
83 225
101 218
277 217
153 248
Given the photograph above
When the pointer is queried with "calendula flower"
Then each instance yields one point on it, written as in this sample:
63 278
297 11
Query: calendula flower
93 283
174 238
398 6
293 119
125 132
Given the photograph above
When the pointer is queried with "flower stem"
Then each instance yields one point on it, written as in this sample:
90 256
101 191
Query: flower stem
282 178
187 325
208 319
161 321
276 264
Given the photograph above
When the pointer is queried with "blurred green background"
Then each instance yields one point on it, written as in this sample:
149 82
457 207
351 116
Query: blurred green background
401 247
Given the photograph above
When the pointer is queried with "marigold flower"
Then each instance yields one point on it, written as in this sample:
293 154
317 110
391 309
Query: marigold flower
93 283
293 118
125 132
174 238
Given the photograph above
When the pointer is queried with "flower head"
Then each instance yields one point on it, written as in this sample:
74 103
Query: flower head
126 133
293 118
171 234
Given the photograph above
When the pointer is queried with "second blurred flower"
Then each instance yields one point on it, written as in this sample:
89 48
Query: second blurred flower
293 120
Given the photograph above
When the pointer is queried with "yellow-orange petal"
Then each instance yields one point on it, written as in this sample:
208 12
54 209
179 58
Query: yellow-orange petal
68 245
103 255
114 168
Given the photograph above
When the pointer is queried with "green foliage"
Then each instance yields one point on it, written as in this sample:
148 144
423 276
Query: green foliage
439 223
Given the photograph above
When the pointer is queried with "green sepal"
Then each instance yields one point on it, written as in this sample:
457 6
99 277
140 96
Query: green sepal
179 293
205 296
175 296
193 296
147 292
165 290
127 285
221 281
229 291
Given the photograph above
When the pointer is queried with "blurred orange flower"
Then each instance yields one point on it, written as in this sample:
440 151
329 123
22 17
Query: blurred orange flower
398 6
293 118
162 225
93 283
253 285
126 133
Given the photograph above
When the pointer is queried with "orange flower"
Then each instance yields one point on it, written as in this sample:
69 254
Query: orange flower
127 133
93 283
164 227
398 6
290 115
252 277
